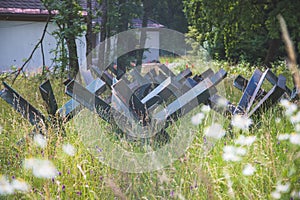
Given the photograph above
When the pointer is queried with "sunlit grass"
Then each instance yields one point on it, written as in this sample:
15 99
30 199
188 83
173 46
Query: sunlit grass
201 173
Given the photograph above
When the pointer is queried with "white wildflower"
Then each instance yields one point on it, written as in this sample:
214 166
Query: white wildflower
290 109
275 195
197 119
5 186
40 140
40 168
241 122
205 109
29 163
222 102
285 103
242 140
295 138
20 185
282 188
277 120
69 149
295 118
240 151
249 170
215 131
283 136
232 153
1 129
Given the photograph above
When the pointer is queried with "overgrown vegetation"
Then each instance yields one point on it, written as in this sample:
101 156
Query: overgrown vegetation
242 30
89 17
228 158
67 15
269 167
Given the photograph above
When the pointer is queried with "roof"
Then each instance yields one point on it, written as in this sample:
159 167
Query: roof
27 9
21 4
137 23
22 10
34 10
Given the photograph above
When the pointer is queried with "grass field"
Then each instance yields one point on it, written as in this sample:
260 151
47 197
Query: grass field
263 165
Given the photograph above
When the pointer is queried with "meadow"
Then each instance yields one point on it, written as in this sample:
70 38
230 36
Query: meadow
229 158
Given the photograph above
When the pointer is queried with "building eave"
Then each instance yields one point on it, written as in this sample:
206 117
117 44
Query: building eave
23 17
19 14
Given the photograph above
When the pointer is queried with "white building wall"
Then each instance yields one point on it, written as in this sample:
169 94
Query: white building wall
18 39
151 46
152 42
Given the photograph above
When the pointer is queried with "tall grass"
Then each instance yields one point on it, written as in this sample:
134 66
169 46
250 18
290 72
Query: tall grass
201 173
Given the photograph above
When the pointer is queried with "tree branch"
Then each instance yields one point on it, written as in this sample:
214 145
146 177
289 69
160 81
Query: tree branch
43 57
19 70
292 64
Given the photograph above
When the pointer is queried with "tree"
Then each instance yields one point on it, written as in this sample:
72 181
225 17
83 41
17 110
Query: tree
127 11
89 33
170 14
235 29
147 8
70 23
116 16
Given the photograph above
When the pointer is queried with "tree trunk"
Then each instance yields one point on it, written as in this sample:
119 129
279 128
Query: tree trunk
140 52
103 29
274 45
71 44
73 57
104 21
297 48
122 60
88 36
108 46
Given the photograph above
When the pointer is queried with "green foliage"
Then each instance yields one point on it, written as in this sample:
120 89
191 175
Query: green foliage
67 11
67 15
170 14
235 28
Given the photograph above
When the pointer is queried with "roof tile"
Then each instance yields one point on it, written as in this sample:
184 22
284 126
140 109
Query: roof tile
33 7
23 4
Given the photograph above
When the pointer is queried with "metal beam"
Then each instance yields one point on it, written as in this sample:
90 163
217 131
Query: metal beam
48 97
257 89
248 93
272 96
69 109
88 99
21 105
192 98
